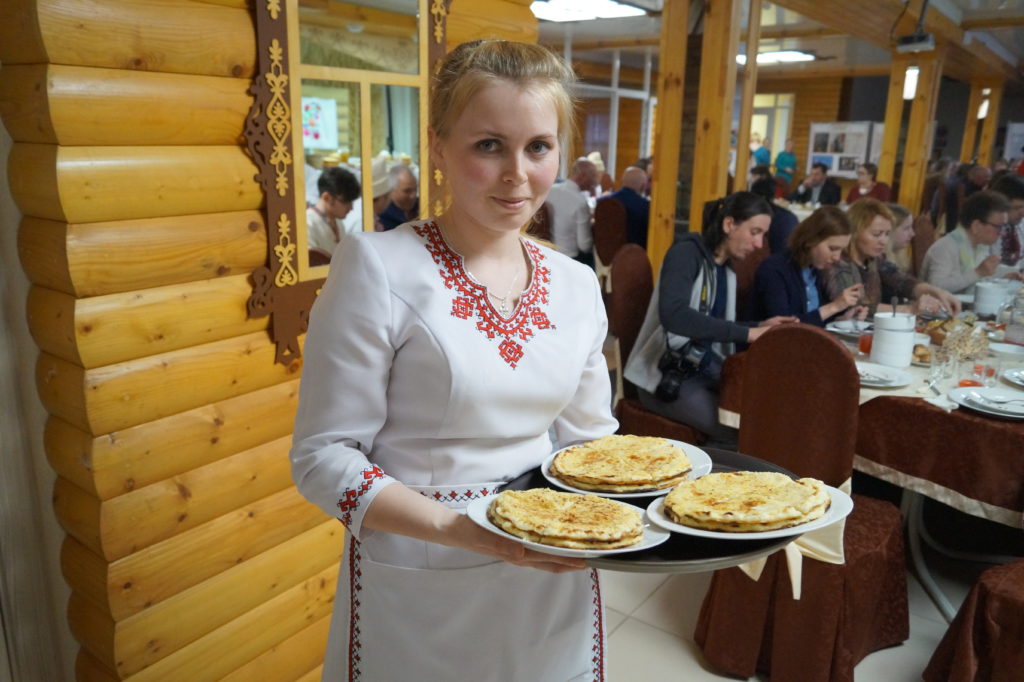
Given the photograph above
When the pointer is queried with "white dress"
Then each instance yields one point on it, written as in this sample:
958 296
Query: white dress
412 375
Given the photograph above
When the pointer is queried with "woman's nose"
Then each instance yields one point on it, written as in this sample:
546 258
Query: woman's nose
515 170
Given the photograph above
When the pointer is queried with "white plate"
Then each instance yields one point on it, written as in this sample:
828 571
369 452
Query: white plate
653 535
1007 350
700 463
890 377
962 397
840 508
847 328
1015 376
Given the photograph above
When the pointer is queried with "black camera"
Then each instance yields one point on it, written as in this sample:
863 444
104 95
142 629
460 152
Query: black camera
677 365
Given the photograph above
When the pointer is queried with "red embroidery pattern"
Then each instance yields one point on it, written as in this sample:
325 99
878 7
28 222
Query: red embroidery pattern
472 301
457 495
350 501
598 648
354 587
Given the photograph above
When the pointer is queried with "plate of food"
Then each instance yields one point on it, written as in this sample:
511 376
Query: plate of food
567 524
997 402
873 375
849 328
623 466
749 505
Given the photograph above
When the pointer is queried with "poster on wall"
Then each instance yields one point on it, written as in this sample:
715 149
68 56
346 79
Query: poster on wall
319 123
843 146
1014 148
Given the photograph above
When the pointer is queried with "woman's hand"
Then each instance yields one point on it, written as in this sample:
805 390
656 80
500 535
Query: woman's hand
755 332
846 300
466 534
947 301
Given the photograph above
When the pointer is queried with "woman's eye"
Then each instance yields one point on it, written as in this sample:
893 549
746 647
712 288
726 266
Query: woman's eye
538 147
487 145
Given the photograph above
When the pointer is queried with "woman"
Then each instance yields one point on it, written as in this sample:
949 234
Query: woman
690 324
864 263
897 251
868 185
438 357
785 164
790 283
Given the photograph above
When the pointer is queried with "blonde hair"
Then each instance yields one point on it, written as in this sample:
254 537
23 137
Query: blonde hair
862 213
472 66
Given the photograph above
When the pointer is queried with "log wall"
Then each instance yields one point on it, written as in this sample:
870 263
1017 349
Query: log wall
189 554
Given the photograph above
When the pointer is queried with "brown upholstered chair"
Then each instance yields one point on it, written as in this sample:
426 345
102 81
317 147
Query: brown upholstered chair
986 639
632 285
609 233
799 410
924 237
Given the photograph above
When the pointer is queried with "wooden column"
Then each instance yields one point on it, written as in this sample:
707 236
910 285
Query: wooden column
749 76
893 119
988 127
714 105
971 124
918 148
668 125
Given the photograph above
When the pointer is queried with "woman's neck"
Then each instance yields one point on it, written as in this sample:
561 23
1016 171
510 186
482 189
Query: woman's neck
858 258
475 243
721 255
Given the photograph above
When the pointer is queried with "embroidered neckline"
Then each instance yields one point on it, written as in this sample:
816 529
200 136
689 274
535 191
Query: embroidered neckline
472 302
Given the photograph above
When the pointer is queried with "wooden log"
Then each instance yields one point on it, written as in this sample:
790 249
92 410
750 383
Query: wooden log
89 184
238 642
893 119
970 136
175 36
476 19
149 636
89 669
920 128
313 675
292 659
134 583
75 105
103 330
990 125
93 259
122 461
128 523
125 394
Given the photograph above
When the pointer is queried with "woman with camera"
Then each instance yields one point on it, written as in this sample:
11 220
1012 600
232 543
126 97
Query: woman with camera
690 324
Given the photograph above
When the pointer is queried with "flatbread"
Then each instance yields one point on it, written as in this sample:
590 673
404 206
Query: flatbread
568 520
622 463
747 501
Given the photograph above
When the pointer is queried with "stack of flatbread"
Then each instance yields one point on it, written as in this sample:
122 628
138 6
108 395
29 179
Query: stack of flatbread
747 501
621 464
566 519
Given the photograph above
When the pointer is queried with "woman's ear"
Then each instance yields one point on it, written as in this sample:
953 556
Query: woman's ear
727 224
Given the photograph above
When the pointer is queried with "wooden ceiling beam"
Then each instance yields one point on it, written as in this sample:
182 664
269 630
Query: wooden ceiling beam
606 44
980 23
783 31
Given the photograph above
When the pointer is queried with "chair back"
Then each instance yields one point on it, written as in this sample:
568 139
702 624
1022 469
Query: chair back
924 237
540 226
609 228
632 285
800 402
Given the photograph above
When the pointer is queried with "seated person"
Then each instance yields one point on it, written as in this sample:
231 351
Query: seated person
338 190
868 185
1011 243
817 188
638 209
404 197
958 260
897 251
790 283
571 216
693 312
784 221
864 263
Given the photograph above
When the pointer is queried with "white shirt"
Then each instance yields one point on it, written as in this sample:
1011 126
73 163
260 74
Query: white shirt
570 219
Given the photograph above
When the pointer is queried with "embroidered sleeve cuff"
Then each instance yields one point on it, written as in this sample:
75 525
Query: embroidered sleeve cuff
354 502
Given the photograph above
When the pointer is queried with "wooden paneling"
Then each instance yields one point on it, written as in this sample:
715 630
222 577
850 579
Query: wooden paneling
970 137
815 101
129 393
175 36
988 127
893 121
72 105
93 259
476 19
89 184
103 330
290 660
920 131
128 523
121 461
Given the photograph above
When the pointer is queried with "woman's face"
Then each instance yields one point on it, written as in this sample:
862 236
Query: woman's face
742 239
500 158
828 251
863 176
902 235
872 240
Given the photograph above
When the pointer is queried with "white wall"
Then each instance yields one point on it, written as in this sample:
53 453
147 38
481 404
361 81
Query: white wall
33 596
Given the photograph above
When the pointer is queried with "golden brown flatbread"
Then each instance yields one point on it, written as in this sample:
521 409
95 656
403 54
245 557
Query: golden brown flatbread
747 501
568 520
622 463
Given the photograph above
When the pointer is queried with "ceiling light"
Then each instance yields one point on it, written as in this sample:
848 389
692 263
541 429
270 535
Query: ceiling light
983 109
582 10
778 57
910 82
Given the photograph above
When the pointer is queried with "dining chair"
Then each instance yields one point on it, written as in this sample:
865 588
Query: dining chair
632 286
924 237
799 408
986 639
609 231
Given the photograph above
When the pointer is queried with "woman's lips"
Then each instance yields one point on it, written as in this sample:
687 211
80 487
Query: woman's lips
511 203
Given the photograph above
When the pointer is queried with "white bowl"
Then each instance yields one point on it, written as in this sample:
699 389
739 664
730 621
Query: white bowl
1007 350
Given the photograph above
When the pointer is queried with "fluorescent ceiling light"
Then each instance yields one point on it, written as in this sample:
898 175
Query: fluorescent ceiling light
779 57
910 82
582 10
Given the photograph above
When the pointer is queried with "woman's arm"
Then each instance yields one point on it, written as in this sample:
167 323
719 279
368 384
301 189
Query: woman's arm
679 272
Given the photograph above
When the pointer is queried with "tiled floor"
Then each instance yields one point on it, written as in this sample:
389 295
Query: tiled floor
651 620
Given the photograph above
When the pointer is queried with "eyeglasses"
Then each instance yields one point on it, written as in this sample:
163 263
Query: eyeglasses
998 226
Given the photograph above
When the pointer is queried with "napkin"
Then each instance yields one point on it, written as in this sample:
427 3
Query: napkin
824 544
940 401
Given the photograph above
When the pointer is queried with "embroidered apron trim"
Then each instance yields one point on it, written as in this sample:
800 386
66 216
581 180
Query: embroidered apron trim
457 496
471 300
350 501
598 647
354 586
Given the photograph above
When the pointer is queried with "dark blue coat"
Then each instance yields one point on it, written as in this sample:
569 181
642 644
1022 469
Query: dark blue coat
779 290
638 212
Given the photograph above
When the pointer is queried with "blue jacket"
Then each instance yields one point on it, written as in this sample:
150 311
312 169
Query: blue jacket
779 290
637 214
